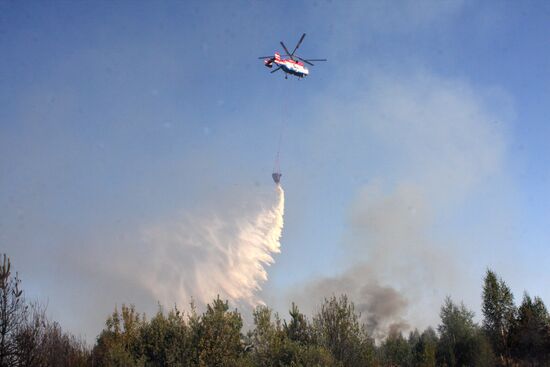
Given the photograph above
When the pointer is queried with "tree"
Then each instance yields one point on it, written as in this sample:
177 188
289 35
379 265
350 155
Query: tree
58 348
30 335
179 337
286 344
272 346
530 334
27 338
165 340
460 342
396 351
424 348
316 356
499 312
298 329
116 345
12 313
337 329
219 341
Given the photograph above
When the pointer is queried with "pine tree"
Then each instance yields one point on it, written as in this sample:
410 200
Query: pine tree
297 329
531 332
220 335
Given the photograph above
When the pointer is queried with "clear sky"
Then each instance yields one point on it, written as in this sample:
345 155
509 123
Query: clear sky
417 153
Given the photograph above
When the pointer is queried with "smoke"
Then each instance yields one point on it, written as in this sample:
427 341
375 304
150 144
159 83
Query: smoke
198 259
380 307
430 147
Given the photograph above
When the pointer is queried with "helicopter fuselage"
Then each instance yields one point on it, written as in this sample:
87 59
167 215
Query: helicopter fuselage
289 66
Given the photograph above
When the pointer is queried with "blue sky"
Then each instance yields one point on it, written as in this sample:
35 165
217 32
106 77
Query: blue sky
119 115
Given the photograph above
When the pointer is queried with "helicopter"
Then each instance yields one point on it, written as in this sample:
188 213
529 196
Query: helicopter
291 65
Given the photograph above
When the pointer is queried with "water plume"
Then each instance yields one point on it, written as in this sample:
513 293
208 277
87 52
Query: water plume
201 258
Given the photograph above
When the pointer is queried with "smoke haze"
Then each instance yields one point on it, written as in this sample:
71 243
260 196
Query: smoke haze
435 148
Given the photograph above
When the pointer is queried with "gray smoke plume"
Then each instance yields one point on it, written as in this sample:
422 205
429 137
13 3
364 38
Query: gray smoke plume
380 307
437 145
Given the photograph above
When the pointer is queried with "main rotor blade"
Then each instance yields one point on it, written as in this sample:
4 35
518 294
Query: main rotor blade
306 61
314 59
286 50
275 70
298 44
265 57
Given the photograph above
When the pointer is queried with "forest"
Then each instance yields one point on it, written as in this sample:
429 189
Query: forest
508 335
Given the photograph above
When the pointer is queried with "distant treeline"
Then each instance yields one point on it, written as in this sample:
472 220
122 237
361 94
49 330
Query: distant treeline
508 335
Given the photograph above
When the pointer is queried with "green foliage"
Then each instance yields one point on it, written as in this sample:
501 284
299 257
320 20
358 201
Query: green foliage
531 332
484 354
118 343
334 337
461 342
499 313
424 348
219 333
285 344
212 339
271 344
396 351
316 356
165 340
336 328
458 332
298 329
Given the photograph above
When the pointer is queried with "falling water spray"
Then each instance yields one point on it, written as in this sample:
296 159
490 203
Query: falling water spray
201 258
